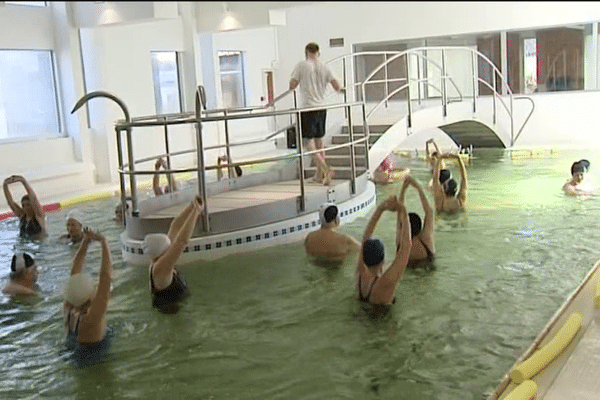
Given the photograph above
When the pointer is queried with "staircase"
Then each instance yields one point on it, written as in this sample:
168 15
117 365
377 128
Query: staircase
339 160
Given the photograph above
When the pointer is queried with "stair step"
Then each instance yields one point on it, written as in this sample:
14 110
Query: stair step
345 151
344 161
339 172
372 128
341 139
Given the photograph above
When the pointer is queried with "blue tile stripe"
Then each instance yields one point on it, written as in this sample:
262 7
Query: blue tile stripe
248 238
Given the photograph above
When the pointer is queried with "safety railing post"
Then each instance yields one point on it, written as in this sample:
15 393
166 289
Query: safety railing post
444 89
408 100
168 152
352 154
121 174
227 149
200 161
302 204
475 75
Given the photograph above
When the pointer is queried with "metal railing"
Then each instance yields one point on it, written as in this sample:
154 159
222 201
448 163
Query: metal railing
424 78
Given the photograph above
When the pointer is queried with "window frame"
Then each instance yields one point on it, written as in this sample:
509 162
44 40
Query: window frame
241 72
178 74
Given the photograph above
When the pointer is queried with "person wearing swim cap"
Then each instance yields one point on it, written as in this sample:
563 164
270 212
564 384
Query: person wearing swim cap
432 156
327 243
167 286
423 247
445 195
75 227
32 220
158 191
85 305
375 284
578 185
386 173
23 276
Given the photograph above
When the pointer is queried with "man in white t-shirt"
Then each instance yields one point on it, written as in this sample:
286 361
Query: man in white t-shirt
313 76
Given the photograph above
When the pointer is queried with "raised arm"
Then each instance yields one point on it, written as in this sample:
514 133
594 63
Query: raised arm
170 178
79 258
35 203
9 199
387 204
393 274
405 184
156 179
462 193
424 202
438 190
100 303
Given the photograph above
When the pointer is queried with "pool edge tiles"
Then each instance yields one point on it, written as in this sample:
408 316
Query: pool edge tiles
251 239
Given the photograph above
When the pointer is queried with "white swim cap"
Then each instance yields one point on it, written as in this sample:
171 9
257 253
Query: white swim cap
77 215
80 288
332 214
155 244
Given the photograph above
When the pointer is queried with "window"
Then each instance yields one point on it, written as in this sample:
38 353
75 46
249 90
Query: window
28 98
231 71
530 65
167 88
27 3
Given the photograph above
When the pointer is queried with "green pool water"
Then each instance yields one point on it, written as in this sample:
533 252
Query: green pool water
272 325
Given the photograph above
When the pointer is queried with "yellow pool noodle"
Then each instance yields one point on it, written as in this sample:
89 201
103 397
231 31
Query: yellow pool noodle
86 197
524 391
544 356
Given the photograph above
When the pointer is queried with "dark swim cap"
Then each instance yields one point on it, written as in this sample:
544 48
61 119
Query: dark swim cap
580 166
415 224
444 175
450 187
373 252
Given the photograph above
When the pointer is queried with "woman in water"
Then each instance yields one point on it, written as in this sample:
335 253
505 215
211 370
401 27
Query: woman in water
423 248
444 195
85 306
375 284
578 184
167 286
387 173
31 216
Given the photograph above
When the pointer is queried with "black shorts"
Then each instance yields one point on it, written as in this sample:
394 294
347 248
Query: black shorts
313 124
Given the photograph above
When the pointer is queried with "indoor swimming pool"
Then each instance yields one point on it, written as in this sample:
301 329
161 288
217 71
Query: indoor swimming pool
272 325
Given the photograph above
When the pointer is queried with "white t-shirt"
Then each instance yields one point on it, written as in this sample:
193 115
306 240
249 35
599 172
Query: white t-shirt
313 77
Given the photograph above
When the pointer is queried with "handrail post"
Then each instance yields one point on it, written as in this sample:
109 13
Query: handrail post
408 100
494 99
168 151
444 90
200 158
344 80
385 71
419 84
475 76
132 181
512 123
352 155
121 174
227 150
367 135
302 205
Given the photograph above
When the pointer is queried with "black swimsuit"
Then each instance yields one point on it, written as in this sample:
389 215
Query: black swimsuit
366 298
29 227
166 299
87 354
417 263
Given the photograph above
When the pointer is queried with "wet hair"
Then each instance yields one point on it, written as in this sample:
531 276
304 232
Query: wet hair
312 48
238 170
330 213
373 252
26 197
415 224
20 263
450 187
580 166
445 174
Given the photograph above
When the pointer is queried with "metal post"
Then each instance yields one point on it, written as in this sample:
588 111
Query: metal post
385 78
408 102
419 61
444 99
132 181
227 150
367 134
121 175
475 75
494 98
200 156
169 180
344 80
302 205
352 155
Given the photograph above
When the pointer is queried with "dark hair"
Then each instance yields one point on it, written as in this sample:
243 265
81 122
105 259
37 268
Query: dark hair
415 224
580 166
238 170
450 187
312 48
330 213
27 258
373 252
26 197
445 174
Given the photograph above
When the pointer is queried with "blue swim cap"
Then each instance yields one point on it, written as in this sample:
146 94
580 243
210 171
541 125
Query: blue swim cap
373 252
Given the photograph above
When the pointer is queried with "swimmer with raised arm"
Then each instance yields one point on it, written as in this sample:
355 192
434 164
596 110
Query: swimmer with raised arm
578 185
23 276
85 304
423 247
327 243
32 220
387 173
158 191
444 195
167 286
375 284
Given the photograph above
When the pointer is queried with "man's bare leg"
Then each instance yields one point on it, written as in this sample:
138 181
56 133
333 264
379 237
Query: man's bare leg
323 171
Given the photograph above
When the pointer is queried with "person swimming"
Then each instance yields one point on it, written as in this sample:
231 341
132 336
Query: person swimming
32 220
386 172
423 247
75 225
85 306
445 195
158 191
578 185
375 284
167 286
327 243
23 276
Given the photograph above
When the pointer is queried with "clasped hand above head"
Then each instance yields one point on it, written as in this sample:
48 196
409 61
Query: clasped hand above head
91 235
